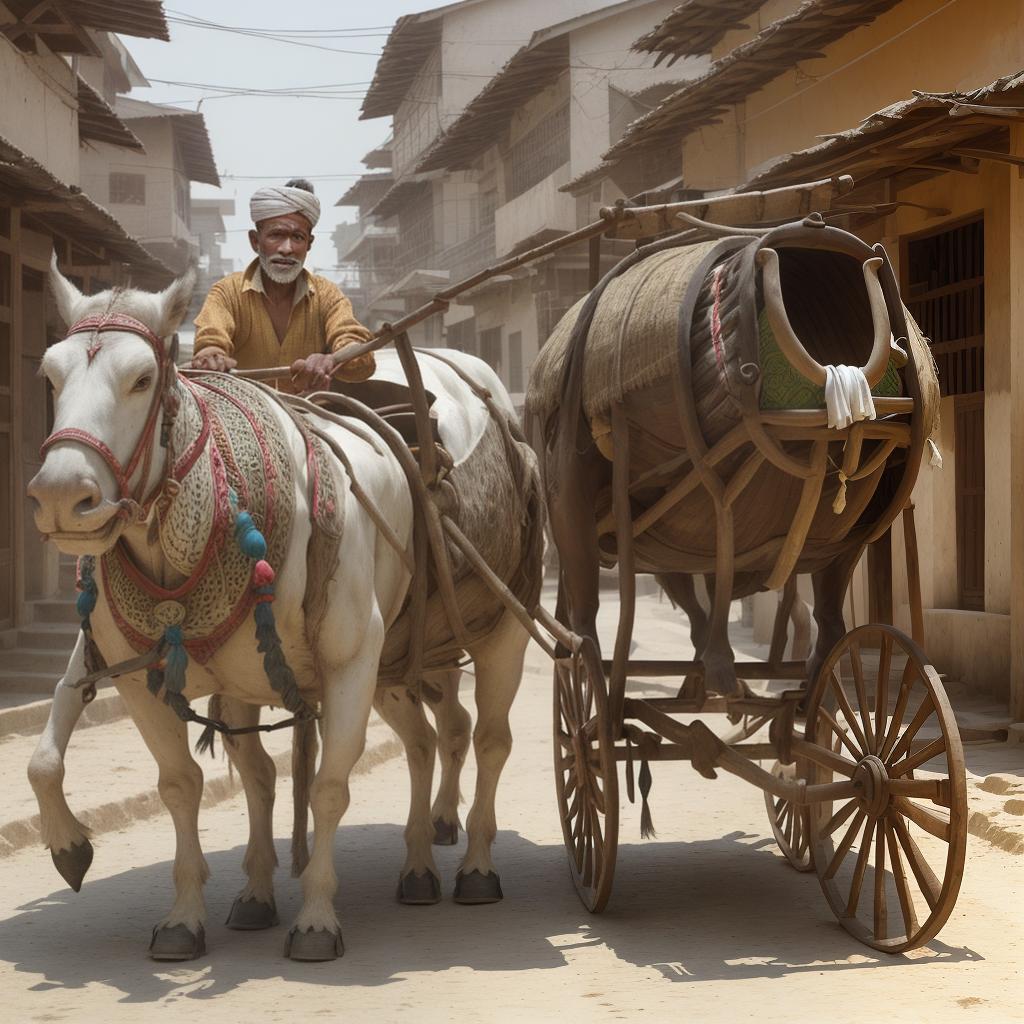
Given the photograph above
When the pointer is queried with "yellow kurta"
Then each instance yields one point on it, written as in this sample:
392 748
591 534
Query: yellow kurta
234 318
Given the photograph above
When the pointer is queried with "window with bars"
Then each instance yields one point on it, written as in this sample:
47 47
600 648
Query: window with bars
945 292
128 189
944 289
540 152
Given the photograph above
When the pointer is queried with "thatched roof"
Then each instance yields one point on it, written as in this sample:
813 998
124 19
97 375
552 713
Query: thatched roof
696 27
61 24
66 210
98 122
909 141
746 69
190 132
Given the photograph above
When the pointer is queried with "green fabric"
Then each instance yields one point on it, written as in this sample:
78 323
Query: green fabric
783 388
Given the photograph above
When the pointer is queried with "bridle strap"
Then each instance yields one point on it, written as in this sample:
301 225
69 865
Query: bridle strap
142 452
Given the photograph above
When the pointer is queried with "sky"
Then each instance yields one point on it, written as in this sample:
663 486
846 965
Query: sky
271 137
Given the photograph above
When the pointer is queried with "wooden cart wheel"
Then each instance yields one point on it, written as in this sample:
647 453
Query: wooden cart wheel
586 778
890 860
790 823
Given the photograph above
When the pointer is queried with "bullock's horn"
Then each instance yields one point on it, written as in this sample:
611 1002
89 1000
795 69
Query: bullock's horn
874 369
775 309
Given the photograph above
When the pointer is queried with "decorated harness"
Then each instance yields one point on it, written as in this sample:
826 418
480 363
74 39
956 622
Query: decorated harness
232 483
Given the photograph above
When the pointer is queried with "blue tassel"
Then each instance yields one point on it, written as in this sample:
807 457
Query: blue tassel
176 661
85 603
253 544
244 523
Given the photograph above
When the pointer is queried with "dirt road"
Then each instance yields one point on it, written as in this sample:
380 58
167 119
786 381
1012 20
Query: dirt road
706 923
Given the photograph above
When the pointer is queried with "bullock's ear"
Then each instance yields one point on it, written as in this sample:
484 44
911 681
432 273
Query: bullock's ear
173 303
67 296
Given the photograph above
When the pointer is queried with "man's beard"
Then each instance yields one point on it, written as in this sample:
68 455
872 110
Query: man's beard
279 273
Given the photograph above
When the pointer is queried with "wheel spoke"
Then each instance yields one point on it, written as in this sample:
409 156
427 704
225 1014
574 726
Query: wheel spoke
915 760
859 870
902 884
826 758
803 843
926 879
838 818
881 915
841 733
844 847
933 823
923 713
935 790
902 699
862 698
848 714
882 689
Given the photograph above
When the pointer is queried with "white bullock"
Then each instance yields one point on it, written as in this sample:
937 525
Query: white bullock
103 482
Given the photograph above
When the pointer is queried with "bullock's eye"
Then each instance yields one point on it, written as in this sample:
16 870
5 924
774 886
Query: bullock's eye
142 384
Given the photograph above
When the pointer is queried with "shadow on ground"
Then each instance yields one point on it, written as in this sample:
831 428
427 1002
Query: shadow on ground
700 911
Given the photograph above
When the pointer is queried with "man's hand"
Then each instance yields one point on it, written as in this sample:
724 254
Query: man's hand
213 358
312 373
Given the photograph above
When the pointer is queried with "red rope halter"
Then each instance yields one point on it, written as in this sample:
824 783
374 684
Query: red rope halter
163 397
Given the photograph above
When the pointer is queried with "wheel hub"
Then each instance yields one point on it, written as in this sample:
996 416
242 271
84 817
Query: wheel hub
873 781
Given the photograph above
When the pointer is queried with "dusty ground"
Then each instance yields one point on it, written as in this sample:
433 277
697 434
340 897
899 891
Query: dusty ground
706 922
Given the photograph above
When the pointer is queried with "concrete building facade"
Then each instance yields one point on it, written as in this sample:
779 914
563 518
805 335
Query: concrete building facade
53 120
485 140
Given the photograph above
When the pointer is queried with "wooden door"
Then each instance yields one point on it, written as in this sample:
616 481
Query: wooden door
970 500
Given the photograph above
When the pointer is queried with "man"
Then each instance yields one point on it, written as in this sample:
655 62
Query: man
275 312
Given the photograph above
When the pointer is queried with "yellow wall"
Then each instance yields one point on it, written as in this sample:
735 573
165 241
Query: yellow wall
962 46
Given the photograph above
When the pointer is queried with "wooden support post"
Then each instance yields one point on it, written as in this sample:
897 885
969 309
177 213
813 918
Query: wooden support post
913 575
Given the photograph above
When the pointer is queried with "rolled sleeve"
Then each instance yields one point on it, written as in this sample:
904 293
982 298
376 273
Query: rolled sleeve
215 324
341 328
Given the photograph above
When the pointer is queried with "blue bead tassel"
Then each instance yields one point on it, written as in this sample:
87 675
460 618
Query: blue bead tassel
169 673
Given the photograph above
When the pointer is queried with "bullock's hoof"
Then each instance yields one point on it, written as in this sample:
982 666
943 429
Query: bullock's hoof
446 833
73 863
419 890
177 943
252 915
313 946
476 887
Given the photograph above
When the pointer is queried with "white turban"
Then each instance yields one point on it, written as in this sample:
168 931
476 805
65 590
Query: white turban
280 200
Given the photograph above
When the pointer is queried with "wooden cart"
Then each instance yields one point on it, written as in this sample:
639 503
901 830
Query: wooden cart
868 788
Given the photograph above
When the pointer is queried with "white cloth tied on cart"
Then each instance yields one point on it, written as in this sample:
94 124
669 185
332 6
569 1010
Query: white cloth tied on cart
847 396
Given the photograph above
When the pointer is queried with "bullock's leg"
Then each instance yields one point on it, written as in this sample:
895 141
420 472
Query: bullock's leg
454 727
830 585
181 934
61 832
254 908
499 669
717 656
574 478
419 883
316 934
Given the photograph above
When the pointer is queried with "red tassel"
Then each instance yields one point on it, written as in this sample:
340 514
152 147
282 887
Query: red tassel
262 574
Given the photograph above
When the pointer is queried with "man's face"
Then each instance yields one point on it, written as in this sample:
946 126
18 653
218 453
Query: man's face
282 244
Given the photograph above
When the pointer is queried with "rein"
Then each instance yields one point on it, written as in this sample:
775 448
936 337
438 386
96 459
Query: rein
133 501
